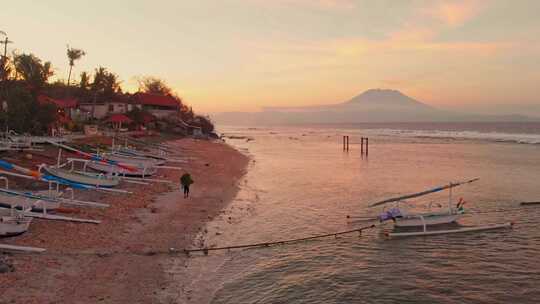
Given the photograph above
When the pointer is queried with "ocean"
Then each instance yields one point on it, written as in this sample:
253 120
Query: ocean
300 182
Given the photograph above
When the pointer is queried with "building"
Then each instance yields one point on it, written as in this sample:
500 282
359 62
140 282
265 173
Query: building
102 109
67 107
158 105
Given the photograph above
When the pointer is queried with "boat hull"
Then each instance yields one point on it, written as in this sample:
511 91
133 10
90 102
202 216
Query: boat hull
137 160
136 171
450 231
11 225
85 178
428 220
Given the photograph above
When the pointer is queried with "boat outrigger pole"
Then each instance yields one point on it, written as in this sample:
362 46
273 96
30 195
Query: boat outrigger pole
414 195
94 157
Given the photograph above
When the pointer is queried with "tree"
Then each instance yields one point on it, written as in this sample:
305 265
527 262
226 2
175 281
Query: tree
84 84
154 85
32 70
105 83
24 114
4 60
206 124
73 55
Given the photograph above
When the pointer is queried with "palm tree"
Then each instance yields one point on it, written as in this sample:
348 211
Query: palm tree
73 55
34 72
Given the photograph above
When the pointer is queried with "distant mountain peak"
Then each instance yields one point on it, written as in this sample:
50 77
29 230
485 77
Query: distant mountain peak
385 97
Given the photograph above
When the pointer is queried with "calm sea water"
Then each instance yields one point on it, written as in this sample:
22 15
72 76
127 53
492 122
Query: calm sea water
301 183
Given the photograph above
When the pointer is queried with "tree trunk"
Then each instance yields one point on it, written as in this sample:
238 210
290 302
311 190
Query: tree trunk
69 75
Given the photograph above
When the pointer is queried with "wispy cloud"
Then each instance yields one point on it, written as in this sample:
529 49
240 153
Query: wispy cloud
454 13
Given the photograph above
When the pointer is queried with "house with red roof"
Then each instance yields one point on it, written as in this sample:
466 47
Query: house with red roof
157 105
66 107
101 109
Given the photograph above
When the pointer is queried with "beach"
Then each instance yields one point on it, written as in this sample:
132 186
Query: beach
123 259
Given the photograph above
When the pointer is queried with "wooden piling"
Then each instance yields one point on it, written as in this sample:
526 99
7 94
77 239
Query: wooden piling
367 146
345 143
364 143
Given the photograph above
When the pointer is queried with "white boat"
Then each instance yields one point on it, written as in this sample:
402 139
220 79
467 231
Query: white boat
136 160
8 199
122 169
160 155
13 222
86 178
404 218
407 223
425 232
428 218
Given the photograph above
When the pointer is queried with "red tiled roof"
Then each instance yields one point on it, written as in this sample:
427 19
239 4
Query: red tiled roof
119 118
156 100
65 103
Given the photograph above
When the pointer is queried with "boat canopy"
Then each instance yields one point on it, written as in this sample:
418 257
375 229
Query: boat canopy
426 192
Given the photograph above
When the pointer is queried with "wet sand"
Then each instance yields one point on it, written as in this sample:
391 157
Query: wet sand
125 258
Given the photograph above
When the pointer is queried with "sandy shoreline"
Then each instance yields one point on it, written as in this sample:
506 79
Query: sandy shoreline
124 259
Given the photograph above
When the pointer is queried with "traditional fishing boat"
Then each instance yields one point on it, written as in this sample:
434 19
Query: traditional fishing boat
50 179
11 199
405 219
13 222
137 153
123 170
139 161
86 178
402 217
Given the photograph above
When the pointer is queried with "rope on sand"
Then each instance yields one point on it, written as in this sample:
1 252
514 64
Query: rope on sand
282 242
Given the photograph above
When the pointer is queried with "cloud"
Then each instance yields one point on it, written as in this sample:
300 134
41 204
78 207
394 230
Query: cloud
454 13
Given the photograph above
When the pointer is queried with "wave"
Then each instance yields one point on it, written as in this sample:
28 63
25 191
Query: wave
533 139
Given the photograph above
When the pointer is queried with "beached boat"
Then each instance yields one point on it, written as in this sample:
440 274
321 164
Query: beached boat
122 169
11 199
154 154
36 139
140 161
86 178
50 179
13 222
137 153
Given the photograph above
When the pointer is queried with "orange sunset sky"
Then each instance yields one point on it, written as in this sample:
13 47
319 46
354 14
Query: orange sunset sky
242 55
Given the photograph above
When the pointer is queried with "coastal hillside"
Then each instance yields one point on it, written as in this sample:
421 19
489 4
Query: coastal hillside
374 105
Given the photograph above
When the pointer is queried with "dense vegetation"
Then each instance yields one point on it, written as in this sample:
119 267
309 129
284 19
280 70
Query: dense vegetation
23 77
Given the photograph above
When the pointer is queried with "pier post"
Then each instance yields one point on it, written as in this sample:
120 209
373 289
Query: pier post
367 146
345 143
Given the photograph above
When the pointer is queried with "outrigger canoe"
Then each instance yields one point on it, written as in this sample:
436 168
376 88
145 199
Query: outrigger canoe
13 222
125 169
137 160
85 178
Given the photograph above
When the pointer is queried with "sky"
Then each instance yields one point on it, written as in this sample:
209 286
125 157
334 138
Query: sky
243 55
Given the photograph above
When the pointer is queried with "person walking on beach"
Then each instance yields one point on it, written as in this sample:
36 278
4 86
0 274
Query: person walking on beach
186 181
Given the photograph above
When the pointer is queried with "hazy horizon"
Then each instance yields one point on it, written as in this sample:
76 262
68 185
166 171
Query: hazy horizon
243 55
